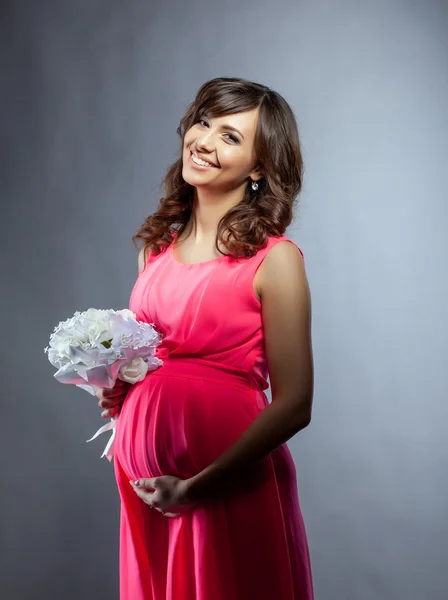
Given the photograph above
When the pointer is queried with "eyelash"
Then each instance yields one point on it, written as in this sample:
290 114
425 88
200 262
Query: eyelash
232 136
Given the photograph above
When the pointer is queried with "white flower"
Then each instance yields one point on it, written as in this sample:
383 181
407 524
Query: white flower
99 327
127 314
133 371
95 347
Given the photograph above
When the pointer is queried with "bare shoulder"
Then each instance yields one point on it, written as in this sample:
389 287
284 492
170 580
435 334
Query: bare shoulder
282 265
284 250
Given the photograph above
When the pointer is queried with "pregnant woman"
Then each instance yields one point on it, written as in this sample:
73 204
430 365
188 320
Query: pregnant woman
209 499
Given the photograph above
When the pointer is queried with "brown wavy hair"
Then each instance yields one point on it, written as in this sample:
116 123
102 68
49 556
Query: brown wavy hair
260 214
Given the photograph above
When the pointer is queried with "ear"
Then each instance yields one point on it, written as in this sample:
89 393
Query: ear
256 174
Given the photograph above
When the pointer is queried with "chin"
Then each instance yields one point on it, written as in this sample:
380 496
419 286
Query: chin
185 176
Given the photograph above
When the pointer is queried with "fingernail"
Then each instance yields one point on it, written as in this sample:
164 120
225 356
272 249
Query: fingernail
137 482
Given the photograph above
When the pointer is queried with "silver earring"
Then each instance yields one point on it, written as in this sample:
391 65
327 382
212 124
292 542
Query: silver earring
254 186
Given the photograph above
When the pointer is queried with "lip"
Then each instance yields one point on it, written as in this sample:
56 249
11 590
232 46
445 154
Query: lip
202 158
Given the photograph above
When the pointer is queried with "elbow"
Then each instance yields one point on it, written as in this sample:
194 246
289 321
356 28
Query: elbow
299 420
296 413
304 414
305 421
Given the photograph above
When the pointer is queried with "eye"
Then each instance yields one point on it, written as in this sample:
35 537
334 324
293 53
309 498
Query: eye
234 138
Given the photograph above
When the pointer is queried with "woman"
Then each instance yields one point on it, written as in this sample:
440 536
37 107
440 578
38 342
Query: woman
209 500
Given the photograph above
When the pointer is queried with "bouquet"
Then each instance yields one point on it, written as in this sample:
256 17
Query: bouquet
96 347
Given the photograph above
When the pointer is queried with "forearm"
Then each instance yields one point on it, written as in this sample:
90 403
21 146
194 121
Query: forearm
274 426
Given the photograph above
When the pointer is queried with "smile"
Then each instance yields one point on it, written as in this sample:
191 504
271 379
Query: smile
201 163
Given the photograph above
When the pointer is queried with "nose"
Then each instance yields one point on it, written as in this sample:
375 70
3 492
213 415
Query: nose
204 141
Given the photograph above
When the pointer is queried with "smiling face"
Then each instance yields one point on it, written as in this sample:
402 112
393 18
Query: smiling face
228 143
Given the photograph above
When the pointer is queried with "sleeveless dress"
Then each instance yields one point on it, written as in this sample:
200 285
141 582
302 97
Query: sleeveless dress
249 544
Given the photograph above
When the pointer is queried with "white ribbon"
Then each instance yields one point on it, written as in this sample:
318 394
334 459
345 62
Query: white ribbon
132 371
108 450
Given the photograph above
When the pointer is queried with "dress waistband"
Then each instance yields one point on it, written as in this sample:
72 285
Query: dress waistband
198 368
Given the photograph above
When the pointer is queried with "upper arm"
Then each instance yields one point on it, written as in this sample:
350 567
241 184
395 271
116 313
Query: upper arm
286 314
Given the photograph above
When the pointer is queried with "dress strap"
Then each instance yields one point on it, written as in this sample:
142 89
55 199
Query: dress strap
273 240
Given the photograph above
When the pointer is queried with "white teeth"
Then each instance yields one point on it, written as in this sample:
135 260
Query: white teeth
198 161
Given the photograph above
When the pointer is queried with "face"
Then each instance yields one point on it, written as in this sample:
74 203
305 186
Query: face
227 143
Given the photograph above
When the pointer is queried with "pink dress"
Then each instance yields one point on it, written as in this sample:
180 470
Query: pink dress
249 544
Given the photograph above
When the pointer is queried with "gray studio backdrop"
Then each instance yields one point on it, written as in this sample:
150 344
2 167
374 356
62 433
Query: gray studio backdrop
92 92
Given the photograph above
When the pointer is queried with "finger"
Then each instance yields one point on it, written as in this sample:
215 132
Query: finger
121 383
116 389
145 496
143 487
136 489
111 412
147 484
105 404
114 411
141 496
110 402
114 393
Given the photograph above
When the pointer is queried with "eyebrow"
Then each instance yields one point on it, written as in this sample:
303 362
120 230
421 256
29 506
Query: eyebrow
225 126
232 129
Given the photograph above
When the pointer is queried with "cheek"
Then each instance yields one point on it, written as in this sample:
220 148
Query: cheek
234 161
187 142
190 136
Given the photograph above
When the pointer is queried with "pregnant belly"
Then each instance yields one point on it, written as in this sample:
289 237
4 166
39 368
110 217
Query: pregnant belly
177 426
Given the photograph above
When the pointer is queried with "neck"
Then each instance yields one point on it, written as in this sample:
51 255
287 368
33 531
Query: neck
208 209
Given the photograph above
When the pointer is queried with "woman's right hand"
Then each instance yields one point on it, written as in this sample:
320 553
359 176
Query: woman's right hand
111 399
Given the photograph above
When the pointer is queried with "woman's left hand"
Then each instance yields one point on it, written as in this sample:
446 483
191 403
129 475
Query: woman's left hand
164 493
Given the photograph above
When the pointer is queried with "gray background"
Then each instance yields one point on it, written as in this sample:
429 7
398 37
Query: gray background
92 92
